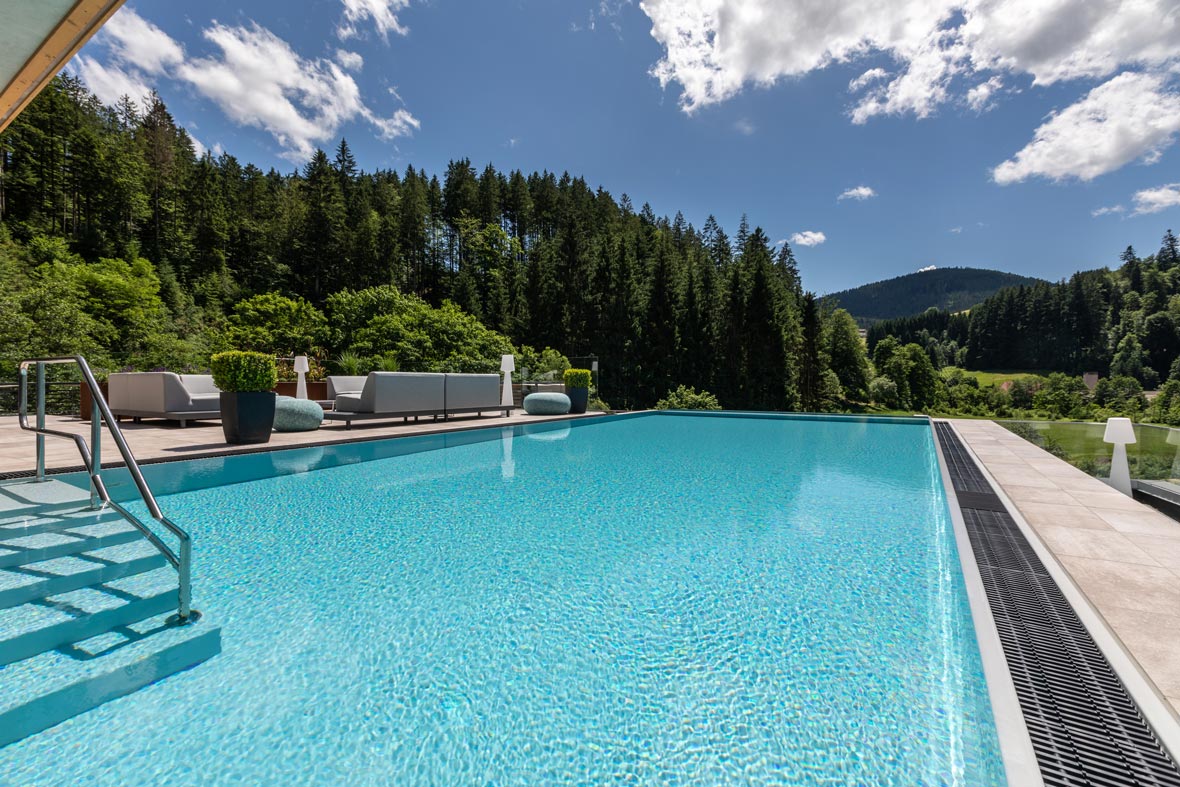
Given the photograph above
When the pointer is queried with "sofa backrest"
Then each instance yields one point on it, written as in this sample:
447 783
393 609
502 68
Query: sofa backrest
199 383
403 392
338 384
149 392
472 391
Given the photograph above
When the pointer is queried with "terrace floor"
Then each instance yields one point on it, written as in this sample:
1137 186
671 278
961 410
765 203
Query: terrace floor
1122 555
156 440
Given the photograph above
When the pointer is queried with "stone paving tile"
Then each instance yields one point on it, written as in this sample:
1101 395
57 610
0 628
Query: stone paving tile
1154 639
1108 583
1146 522
1100 544
1109 499
1165 550
1039 494
1053 515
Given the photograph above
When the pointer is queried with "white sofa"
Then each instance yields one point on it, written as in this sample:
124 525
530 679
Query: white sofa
385 395
177 397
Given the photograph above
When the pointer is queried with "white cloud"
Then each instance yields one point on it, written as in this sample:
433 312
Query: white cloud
956 230
866 79
808 238
979 98
927 269
858 193
258 80
1132 116
1157 199
744 127
1106 211
349 60
138 43
713 49
381 13
111 82
255 78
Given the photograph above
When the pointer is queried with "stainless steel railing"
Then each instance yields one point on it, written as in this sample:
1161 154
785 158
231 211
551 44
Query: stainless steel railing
181 558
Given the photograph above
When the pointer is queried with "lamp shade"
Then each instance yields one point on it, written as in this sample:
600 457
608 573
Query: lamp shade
507 363
1119 430
301 364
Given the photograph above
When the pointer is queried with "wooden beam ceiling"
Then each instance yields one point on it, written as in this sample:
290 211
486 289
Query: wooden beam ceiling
62 42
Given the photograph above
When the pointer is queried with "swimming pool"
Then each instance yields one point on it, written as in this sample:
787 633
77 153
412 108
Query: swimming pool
655 599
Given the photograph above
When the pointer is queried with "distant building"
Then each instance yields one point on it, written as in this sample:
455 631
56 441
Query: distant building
1090 379
864 334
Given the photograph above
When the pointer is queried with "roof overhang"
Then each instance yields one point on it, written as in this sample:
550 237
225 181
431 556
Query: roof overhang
37 38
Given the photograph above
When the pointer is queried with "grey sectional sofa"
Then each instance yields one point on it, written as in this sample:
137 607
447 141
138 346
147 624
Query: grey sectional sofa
177 397
386 395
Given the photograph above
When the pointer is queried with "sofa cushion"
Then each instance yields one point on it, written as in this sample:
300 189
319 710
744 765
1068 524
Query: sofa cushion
204 401
338 384
349 403
199 384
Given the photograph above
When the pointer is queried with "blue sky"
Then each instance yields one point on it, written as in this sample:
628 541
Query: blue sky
980 132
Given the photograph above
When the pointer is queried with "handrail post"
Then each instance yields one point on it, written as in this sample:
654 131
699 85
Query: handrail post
40 421
95 448
184 575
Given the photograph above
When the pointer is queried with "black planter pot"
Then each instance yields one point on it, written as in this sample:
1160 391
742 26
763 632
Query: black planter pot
247 416
578 399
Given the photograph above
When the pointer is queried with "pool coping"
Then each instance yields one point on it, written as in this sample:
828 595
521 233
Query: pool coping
1154 707
345 439
1016 750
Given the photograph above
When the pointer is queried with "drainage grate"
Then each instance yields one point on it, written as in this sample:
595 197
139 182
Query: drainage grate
1085 728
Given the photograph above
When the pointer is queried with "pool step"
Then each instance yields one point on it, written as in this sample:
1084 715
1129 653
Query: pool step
85 609
46 542
56 685
32 581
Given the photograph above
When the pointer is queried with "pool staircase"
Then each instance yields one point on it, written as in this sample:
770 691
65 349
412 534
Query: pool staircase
94 604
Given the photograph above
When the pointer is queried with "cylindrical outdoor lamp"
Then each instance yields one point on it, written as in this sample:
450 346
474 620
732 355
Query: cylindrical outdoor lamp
1120 432
507 366
302 367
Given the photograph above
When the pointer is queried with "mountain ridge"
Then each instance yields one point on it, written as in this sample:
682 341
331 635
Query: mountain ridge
953 289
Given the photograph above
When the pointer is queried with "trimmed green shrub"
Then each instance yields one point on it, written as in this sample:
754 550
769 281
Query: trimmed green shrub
688 398
577 378
239 371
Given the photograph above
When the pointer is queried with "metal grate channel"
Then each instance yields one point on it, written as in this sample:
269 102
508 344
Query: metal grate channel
1085 728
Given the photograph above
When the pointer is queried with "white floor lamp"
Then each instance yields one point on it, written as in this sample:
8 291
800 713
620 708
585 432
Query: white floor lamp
1120 432
507 366
301 370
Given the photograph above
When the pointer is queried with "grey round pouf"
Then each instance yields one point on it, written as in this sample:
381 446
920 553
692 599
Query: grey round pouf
547 404
297 415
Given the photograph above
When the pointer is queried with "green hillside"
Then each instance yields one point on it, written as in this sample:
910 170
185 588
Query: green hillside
952 289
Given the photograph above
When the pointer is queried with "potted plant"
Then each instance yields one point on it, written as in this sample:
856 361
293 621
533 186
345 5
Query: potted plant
246 380
577 388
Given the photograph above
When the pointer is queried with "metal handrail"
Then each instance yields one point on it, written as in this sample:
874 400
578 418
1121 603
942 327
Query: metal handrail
101 411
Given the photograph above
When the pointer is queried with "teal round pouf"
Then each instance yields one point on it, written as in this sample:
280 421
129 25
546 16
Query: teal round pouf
297 415
547 404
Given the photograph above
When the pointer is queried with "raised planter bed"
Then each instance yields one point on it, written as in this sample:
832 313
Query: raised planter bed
317 391
84 400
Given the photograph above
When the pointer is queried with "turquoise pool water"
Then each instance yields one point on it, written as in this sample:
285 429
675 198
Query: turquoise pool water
661 599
